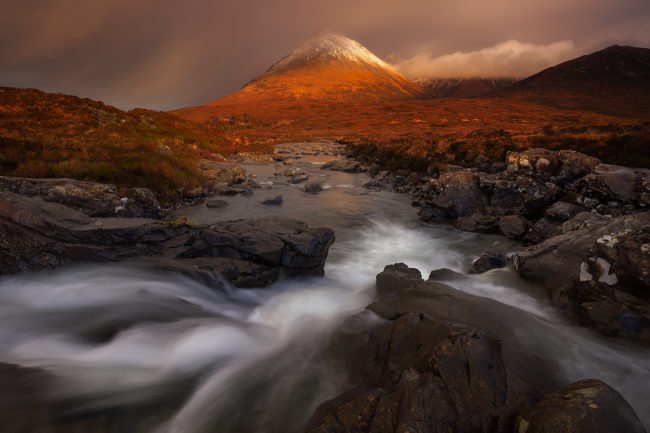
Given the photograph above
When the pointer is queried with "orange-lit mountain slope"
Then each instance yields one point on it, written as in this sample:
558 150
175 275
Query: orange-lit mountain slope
327 68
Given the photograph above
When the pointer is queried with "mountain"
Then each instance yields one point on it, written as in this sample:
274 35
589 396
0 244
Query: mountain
54 135
615 80
464 87
328 67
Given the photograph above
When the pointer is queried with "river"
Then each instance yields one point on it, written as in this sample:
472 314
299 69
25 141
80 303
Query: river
161 353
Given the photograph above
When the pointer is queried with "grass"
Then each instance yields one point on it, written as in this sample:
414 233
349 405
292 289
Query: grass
54 135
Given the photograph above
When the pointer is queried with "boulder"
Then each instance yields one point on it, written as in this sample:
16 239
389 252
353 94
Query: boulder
533 161
91 198
343 165
425 376
214 171
214 203
512 226
588 406
299 178
598 269
313 188
563 211
542 230
560 167
456 193
491 259
35 234
394 278
613 184
275 201
478 223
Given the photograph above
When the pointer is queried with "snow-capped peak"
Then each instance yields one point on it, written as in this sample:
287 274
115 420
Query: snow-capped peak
329 46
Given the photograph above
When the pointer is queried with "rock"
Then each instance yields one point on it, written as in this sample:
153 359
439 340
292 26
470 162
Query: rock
22 406
289 172
342 165
425 376
35 234
91 198
598 269
195 193
574 165
478 223
395 278
512 226
538 161
563 211
561 167
614 184
491 259
221 171
299 178
277 200
588 406
214 203
457 193
313 188
542 230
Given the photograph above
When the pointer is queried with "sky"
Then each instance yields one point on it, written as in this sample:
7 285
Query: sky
166 54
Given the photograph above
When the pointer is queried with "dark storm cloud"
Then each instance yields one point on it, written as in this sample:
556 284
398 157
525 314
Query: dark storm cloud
166 54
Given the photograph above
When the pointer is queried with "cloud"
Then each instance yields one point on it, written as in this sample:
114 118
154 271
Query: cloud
507 59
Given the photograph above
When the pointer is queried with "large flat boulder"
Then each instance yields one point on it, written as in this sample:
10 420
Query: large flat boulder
91 198
37 234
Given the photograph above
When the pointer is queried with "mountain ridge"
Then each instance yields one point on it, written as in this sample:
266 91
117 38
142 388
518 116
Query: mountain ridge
327 67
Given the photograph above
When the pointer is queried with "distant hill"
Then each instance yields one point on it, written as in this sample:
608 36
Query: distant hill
464 87
615 80
328 68
54 135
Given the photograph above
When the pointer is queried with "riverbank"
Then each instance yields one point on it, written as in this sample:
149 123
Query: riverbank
128 339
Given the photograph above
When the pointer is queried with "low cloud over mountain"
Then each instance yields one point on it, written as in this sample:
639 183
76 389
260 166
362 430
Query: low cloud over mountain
507 59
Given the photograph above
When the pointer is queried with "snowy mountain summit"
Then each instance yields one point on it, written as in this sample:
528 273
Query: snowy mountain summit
330 47
328 67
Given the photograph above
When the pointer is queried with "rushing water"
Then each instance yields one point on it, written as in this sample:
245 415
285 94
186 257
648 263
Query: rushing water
163 353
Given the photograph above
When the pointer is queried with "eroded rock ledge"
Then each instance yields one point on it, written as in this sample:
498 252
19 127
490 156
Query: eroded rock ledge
39 234
441 365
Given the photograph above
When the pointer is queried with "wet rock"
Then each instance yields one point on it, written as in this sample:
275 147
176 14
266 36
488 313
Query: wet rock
35 234
395 278
588 406
214 171
512 226
300 178
478 223
613 184
313 188
491 259
91 198
289 172
343 165
456 192
275 201
214 203
563 211
542 230
598 269
425 376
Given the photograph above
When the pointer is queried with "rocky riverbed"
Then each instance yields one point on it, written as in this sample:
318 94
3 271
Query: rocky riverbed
118 318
